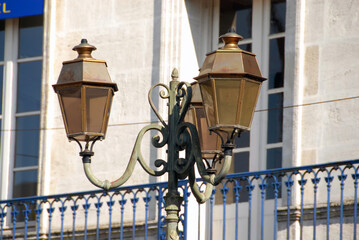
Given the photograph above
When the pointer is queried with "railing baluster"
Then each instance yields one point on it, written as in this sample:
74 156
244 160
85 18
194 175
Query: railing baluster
2 216
224 192
110 205
38 212
342 179
14 214
250 188
74 209
328 180
276 186
86 206
315 181
134 200
211 214
62 210
236 190
159 198
122 203
26 213
186 194
289 185
146 199
355 176
98 206
262 187
50 210
302 183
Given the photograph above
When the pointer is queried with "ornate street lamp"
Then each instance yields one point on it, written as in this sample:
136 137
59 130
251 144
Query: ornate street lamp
229 94
85 93
230 80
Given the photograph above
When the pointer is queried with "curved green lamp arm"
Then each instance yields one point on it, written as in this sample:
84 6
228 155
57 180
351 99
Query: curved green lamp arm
201 197
135 156
213 179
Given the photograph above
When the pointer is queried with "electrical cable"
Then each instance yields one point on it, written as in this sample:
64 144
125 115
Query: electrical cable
157 121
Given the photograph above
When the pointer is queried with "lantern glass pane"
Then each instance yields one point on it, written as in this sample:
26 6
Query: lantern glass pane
227 92
189 117
96 106
207 92
70 99
249 100
208 141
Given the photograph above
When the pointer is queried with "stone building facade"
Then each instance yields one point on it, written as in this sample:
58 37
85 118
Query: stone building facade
308 110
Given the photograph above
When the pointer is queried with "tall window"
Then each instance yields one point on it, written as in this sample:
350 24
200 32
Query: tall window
262 25
21 68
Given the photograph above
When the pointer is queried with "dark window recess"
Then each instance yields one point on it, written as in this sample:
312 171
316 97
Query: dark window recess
243 140
237 15
275 118
274 160
2 40
29 86
277 16
276 63
1 87
27 141
246 47
30 36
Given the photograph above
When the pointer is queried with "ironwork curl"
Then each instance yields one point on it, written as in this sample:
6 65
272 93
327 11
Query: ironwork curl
135 156
184 141
163 95
184 97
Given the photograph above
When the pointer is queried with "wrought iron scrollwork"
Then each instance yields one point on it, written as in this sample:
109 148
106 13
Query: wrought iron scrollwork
179 136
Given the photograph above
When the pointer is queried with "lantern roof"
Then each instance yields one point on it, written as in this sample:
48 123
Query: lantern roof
85 69
231 60
196 93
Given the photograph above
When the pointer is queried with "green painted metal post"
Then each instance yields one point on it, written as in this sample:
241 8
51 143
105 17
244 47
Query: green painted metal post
173 199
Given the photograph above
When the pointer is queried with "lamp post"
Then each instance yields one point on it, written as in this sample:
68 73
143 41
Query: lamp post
229 82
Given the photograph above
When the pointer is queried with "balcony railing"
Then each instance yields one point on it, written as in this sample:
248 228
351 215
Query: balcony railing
316 202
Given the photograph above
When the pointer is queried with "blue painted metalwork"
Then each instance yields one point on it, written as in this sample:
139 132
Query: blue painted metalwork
289 184
355 176
328 180
342 179
250 189
146 199
109 204
122 202
134 200
315 181
236 190
211 200
98 206
224 192
276 186
262 187
63 218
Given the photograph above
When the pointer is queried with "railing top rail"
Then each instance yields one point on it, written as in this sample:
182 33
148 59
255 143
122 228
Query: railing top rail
308 168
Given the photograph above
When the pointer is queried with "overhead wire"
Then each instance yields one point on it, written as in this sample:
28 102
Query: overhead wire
157 121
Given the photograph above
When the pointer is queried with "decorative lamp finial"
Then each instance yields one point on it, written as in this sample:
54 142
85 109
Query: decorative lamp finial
84 49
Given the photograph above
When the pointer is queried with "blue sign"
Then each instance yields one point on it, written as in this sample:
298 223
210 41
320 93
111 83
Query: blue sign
20 8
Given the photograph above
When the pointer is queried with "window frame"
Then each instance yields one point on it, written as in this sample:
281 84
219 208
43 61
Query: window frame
9 105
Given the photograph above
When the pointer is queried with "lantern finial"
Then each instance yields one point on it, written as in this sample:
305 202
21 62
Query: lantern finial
84 49
231 40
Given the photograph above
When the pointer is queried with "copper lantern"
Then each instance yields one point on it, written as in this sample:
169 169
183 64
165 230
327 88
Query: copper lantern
210 143
230 81
85 93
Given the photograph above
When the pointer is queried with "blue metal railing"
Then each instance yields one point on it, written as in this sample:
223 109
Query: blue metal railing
318 201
